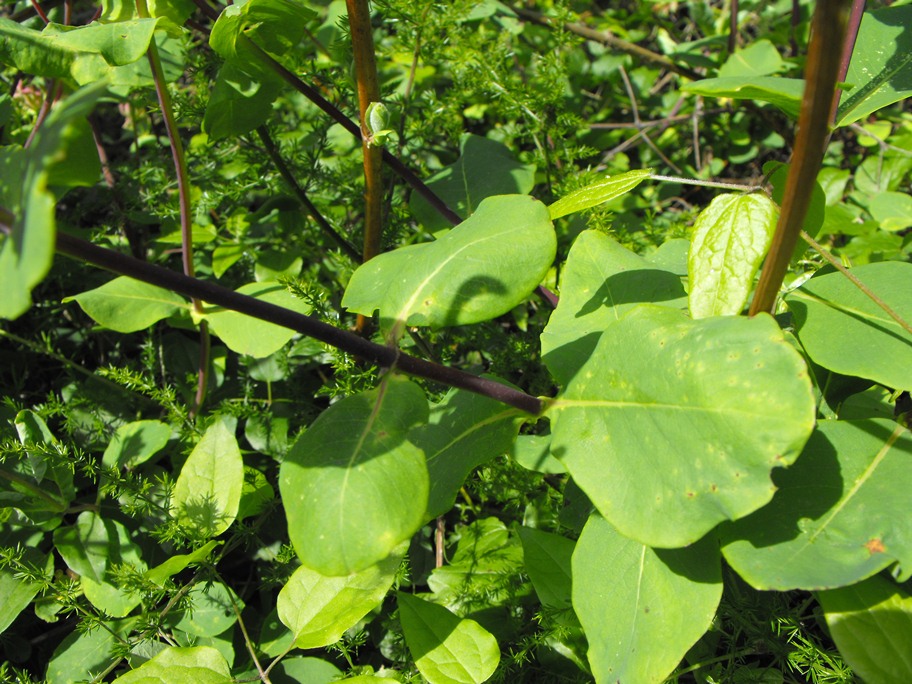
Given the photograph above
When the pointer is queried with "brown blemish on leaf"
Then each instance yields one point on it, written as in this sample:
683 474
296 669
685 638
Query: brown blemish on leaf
875 546
713 488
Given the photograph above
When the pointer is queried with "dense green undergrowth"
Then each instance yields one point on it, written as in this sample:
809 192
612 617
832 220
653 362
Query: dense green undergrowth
552 433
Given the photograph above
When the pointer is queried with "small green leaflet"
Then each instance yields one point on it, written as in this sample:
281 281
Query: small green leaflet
597 193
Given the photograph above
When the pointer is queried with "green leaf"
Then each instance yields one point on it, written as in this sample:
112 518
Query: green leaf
211 610
479 270
306 669
642 608
760 58
485 168
106 597
128 305
135 443
239 102
893 210
465 431
208 489
446 649
85 546
871 623
880 72
46 484
601 281
839 515
731 237
870 343
82 654
486 560
605 190
319 609
353 486
533 452
175 564
276 26
255 495
674 425
84 54
784 93
27 251
247 335
182 665
547 557
16 593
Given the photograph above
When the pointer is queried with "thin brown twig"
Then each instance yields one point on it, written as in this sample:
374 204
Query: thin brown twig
609 39
835 263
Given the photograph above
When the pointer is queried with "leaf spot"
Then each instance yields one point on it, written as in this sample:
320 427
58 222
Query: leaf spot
875 546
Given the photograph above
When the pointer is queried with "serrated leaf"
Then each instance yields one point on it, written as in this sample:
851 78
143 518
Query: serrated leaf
599 192
127 305
247 335
871 623
479 270
353 486
601 281
869 343
641 608
464 431
319 609
839 514
181 665
208 489
485 168
880 72
731 237
784 93
674 425
446 649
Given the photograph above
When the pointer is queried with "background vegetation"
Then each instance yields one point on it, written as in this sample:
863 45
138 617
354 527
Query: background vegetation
190 491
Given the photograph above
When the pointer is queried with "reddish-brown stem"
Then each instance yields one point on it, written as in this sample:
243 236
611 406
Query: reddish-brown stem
827 29
183 193
379 354
359 22
848 47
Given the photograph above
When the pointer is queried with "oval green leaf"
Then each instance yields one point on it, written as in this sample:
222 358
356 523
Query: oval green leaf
319 609
485 168
871 623
479 270
731 237
446 649
880 72
181 665
605 190
464 431
135 443
208 489
674 425
840 514
353 486
128 305
601 281
642 608
247 335
870 343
